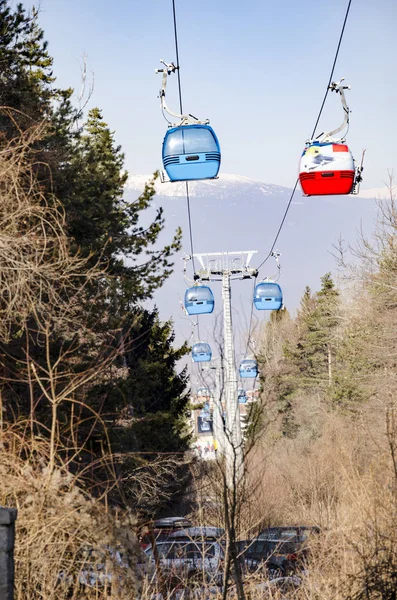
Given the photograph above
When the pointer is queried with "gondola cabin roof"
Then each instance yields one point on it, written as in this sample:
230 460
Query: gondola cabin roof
191 152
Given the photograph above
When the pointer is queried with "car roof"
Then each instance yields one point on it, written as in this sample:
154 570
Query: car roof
286 531
172 522
180 541
206 532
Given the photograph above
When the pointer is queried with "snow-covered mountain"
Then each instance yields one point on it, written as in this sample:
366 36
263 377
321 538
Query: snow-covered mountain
227 186
235 213
381 193
230 186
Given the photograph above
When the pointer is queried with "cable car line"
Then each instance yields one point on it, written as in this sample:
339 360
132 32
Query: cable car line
178 73
297 180
177 56
183 162
314 130
250 321
333 68
190 228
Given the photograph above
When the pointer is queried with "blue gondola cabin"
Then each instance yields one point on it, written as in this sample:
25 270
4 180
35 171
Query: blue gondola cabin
191 152
201 352
268 296
199 300
242 396
248 368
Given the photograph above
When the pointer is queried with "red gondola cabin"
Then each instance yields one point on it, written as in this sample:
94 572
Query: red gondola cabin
326 168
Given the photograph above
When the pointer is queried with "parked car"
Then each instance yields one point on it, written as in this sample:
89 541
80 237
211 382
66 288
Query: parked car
188 560
262 555
162 528
294 533
216 534
279 550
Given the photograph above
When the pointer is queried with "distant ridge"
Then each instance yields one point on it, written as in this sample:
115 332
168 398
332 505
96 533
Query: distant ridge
381 193
225 185
229 186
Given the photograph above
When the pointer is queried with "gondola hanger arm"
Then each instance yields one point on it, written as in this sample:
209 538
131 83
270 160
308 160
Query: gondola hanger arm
169 68
339 88
185 119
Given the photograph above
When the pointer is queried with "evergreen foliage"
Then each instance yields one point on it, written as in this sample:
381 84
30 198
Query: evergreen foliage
305 357
105 225
26 69
79 162
317 321
156 394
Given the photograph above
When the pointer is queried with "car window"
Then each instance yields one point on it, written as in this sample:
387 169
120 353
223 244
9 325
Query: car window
186 550
206 550
288 534
164 551
270 535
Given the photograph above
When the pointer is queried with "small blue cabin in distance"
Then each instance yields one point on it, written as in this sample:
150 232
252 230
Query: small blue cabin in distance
199 300
268 296
248 368
191 152
242 395
203 391
201 352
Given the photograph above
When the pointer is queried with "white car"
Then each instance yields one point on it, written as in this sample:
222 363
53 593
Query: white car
189 560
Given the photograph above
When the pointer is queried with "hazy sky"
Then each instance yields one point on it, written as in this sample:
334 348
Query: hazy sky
256 69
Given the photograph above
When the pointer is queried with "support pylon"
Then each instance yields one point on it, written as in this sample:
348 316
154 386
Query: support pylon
225 266
217 414
233 439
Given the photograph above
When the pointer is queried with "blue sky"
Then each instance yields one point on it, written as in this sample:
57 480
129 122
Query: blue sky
256 69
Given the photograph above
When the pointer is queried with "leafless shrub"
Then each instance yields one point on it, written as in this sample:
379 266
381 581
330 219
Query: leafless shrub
63 532
37 267
67 535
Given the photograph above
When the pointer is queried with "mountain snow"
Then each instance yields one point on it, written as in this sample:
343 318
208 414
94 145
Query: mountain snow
224 186
227 186
381 193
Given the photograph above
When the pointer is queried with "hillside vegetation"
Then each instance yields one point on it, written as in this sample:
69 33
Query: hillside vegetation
87 374
326 426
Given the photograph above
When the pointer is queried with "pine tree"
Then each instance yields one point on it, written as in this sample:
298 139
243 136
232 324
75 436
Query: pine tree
26 70
307 354
84 169
95 210
30 99
322 326
154 392
105 225
312 353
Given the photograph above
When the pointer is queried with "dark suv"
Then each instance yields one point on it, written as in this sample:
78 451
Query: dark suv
279 550
298 534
